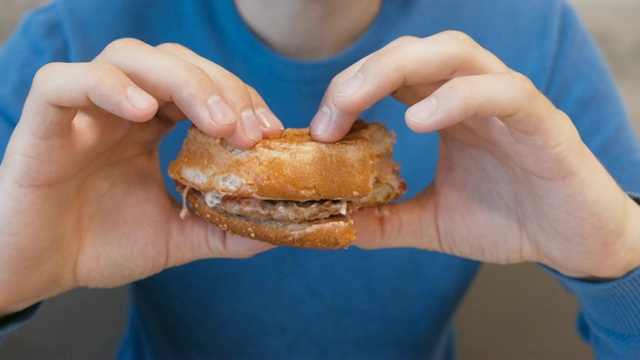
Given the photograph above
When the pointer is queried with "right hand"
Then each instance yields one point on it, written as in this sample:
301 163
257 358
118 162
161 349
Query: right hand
82 200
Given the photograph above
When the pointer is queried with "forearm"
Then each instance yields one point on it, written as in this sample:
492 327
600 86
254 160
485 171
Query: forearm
8 310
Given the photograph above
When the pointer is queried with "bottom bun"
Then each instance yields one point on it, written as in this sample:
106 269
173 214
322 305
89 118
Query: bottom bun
333 233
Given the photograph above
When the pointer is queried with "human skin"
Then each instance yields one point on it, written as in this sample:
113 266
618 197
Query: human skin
514 182
84 156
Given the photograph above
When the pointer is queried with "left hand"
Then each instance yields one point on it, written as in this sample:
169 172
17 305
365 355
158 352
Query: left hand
514 181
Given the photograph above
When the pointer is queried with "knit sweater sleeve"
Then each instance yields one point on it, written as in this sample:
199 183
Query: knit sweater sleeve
38 40
580 84
14 321
609 318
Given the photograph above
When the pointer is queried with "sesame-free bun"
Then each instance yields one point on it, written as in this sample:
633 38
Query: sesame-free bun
293 167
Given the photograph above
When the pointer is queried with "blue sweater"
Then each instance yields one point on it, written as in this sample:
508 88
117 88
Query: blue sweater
298 303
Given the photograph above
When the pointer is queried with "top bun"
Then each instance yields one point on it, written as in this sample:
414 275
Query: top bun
292 167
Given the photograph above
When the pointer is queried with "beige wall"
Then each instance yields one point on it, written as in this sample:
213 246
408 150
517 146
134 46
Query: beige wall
510 312
10 13
615 26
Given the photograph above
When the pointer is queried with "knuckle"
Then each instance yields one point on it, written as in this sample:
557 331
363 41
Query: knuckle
461 48
45 73
192 74
192 77
339 79
195 81
459 38
119 45
408 38
403 40
251 90
102 69
254 95
462 89
522 83
236 89
171 47
380 61
460 45
102 73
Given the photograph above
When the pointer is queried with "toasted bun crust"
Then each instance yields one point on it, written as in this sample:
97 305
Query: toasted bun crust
334 233
293 167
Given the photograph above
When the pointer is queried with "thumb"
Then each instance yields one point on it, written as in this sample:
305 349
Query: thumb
410 223
194 238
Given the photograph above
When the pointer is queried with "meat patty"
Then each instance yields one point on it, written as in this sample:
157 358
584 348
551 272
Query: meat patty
285 211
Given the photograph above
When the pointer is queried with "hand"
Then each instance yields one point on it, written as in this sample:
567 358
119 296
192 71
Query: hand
514 182
82 201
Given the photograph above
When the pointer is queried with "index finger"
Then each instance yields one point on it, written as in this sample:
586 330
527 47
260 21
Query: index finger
331 124
430 60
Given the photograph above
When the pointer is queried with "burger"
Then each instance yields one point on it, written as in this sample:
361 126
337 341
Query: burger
292 190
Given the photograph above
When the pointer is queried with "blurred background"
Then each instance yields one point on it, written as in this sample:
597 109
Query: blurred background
510 312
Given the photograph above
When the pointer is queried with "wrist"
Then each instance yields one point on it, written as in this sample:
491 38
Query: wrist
627 254
631 257
611 254
11 305
6 311
633 237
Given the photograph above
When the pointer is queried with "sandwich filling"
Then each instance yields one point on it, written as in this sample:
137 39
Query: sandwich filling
285 211
291 211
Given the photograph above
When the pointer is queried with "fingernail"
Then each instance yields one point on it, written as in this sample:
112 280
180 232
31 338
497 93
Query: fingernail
268 120
322 122
422 112
139 99
249 125
220 112
350 86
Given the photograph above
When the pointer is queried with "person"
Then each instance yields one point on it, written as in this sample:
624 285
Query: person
511 135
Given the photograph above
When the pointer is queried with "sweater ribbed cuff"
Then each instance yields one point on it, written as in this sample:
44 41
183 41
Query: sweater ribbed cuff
13 321
611 304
